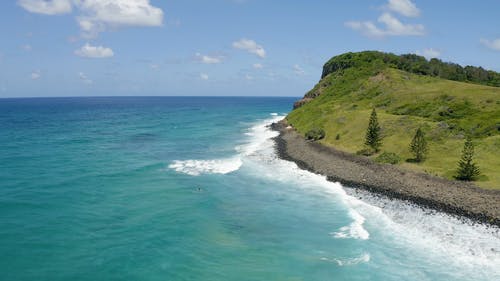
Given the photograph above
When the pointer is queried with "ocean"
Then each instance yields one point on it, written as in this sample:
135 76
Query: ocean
190 188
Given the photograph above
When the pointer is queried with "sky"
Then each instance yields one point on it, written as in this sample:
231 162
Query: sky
223 47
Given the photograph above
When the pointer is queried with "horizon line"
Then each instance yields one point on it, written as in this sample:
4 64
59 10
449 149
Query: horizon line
188 96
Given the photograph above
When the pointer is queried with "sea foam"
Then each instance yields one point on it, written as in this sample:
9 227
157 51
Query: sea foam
355 229
198 167
448 240
261 150
259 134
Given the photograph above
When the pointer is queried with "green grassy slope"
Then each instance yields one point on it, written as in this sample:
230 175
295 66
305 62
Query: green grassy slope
446 110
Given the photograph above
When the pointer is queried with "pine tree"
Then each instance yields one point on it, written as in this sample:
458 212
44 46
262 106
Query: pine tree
467 169
373 138
418 145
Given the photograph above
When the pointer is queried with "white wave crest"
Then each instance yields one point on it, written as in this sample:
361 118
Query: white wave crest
198 167
259 134
260 137
355 229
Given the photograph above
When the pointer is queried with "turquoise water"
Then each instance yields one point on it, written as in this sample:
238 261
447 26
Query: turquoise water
191 189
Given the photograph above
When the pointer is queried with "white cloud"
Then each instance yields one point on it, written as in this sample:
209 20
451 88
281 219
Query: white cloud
392 27
404 7
492 44
250 46
203 76
84 78
99 15
208 59
249 77
298 70
257 66
429 53
35 75
50 7
89 51
396 28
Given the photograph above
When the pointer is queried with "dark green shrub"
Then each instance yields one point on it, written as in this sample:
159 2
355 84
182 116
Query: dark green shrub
315 134
389 158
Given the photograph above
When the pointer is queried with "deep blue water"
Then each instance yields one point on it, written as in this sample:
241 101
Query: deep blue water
189 188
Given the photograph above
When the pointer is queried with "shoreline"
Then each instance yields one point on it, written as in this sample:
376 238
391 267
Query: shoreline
462 199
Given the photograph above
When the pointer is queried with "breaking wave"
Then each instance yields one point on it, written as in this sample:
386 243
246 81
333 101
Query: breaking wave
355 229
198 167
258 134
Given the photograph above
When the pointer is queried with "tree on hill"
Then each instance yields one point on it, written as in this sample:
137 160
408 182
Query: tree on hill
373 138
467 169
414 64
418 146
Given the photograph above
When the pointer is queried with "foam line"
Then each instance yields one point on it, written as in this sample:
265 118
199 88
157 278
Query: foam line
198 167
447 240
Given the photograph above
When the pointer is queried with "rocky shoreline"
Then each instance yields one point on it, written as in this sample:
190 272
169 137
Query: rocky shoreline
453 197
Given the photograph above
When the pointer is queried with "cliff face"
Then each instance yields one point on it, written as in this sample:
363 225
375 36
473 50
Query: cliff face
301 102
312 94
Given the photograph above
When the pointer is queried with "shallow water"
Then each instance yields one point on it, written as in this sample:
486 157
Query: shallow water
191 189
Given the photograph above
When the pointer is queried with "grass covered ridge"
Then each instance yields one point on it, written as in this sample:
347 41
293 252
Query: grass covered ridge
445 110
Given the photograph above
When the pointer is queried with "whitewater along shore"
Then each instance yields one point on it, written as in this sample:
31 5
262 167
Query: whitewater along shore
452 197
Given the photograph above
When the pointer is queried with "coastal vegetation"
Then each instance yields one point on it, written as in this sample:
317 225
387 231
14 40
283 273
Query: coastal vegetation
388 158
415 64
315 134
353 85
373 138
467 169
418 146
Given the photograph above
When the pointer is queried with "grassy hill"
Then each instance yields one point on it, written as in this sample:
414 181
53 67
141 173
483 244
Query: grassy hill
446 110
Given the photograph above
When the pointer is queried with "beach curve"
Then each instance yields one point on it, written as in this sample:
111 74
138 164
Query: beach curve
461 199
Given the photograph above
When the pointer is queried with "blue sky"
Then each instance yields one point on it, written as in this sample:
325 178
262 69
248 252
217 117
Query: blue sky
223 47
